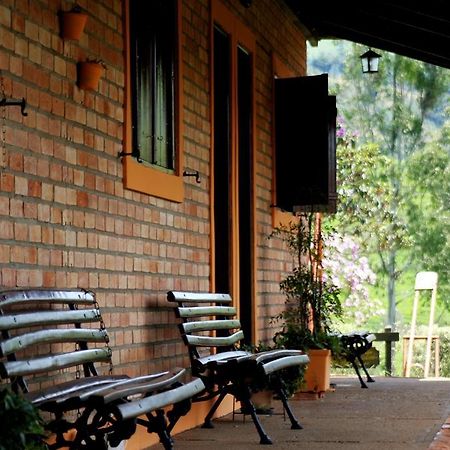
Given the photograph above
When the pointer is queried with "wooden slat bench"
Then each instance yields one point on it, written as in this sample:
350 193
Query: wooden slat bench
56 336
355 344
212 335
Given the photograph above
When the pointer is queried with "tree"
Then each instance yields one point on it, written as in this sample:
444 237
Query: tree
396 109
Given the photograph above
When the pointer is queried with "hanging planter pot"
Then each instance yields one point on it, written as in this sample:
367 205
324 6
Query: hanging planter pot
72 23
89 74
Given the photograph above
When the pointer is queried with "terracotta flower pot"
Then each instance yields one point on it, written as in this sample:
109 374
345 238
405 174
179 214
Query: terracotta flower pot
317 374
89 73
72 24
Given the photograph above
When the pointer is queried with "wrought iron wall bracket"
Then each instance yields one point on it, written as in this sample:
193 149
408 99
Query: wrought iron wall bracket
10 102
122 154
193 173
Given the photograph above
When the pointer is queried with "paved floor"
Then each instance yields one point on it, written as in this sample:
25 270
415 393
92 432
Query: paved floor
393 414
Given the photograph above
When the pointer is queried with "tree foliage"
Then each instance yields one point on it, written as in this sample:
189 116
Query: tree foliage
393 176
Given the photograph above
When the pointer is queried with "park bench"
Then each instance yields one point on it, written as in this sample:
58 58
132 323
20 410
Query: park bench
355 345
212 334
54 349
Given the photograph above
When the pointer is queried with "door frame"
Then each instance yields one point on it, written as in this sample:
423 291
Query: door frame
240 35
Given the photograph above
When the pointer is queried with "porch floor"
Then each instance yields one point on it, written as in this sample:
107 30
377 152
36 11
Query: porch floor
394 413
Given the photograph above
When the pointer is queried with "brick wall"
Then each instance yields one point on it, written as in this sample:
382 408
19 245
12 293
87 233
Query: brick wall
65 218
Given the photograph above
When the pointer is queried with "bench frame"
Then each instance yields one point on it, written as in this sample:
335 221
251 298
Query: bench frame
355 344
100 408
208 323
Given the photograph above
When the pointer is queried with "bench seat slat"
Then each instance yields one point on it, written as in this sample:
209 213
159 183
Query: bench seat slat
198 297
284 362
269 355
51 336
159 401
122 388
142 385
222 356
198 311
76 296
205 325
67 389
211 341
16 321
53 362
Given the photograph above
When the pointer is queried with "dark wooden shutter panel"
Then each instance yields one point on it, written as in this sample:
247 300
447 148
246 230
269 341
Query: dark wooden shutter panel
305 144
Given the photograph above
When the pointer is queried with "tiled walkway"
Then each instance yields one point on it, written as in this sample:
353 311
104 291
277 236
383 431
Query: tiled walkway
442 439
393 414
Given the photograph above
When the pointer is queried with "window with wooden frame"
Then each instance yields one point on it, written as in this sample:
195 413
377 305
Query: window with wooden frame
152 161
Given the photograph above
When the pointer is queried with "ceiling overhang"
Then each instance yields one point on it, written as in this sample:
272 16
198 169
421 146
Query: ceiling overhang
417 30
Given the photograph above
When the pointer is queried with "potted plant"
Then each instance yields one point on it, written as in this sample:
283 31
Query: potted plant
311 301
263 391
89 73
21 427
72 23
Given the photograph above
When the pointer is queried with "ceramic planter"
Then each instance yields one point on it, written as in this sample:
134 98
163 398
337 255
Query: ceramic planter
72 25
317 374
89 73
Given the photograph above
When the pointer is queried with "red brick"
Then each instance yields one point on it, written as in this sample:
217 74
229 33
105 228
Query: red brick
7 182
34 188
30 210
4 206
48 279
8 277
6 38
47 235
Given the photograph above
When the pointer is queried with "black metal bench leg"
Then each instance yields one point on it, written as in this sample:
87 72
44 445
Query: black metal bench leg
163 434
156 423
295 425
248 405
355 366
369 378
208 422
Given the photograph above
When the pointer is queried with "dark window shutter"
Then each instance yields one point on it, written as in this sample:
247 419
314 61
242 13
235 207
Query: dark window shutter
305 144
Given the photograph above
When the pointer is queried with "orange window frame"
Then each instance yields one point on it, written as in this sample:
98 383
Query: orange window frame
143 177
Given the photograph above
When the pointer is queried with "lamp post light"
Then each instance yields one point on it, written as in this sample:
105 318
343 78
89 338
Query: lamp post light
369 61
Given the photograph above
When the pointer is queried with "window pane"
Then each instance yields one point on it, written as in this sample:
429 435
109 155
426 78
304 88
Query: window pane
153 34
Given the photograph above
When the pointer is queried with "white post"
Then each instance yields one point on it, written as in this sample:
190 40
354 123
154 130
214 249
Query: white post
412 335
431 283
424 281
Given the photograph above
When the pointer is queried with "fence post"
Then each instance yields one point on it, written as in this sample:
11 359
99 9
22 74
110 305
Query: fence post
388 346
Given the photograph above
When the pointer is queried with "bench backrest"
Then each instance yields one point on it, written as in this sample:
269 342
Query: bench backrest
47 332
208 322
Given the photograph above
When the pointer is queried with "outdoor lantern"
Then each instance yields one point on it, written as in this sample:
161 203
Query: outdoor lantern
369 61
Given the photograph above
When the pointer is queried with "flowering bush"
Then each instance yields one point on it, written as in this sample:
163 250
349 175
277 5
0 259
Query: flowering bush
345 268
345 137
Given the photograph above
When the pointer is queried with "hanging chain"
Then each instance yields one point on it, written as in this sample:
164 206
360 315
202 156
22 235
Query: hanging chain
77 348
103 328
3 126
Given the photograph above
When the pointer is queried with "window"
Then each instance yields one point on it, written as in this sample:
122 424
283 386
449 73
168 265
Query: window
153 115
